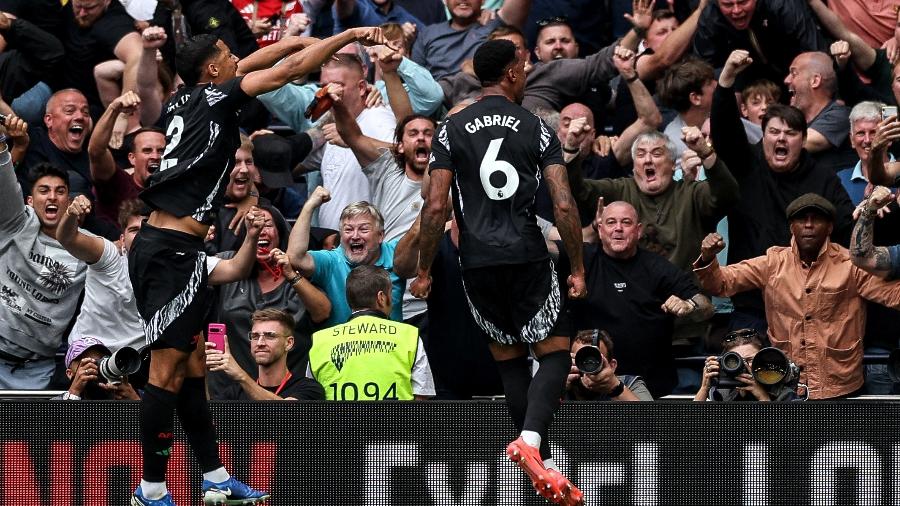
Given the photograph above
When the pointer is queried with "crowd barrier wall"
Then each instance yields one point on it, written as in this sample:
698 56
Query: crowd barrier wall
452 453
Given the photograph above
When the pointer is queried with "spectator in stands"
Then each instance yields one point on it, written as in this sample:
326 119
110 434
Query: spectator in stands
425 94
774 32
442 47
394 170
82 368
555 41
814 297
340 170
30 55
353 13
113 185
275 158
108 312
876 260
95 31
886 135
771 174
688 89
812 86
665 43
851 46
42 284
370 358
628 284
746 343
362 243
270 20
290 102
61 140
864 120
605 384
755 100
676 214
271 338
240 193
272 284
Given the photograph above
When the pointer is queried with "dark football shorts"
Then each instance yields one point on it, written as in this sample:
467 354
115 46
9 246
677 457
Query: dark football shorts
169 277
516 303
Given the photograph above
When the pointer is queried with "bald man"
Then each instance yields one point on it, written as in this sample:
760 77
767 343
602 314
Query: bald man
812 86
635 295
61 141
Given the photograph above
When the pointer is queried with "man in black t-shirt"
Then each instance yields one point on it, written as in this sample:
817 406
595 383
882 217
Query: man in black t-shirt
271 338
167 259
635 295
494 153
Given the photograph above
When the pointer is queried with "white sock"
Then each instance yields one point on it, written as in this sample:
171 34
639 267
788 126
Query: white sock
550 464
217 475
531 438
154 490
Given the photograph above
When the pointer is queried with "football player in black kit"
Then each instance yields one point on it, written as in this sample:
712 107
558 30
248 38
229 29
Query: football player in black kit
167 265
493 154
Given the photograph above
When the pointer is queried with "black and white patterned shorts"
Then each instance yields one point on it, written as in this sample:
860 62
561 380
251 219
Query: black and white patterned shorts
169 276
516 303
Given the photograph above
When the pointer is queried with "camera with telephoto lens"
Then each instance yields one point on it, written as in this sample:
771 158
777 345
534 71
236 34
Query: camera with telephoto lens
114 368
731 365
589 359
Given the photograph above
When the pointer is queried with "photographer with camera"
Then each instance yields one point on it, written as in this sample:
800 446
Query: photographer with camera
733 376
727 377
98 374
593 373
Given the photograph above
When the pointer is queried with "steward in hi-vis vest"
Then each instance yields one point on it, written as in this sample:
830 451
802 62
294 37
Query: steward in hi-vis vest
369 358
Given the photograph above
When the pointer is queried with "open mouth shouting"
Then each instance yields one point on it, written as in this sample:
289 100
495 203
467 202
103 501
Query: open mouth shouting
421 154
780 153
51 212
76 133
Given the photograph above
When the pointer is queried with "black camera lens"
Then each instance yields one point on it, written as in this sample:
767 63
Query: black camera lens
589 360
732 363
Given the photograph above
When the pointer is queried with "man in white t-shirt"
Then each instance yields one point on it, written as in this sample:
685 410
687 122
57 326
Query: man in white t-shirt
340 169
109 311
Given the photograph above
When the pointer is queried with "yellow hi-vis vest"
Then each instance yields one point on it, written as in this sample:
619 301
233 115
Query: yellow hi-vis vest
366 359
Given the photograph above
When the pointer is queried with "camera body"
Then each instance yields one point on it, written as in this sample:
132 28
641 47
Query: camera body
731 365
114 368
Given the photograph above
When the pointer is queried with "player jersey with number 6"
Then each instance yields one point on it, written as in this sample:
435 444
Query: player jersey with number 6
497 152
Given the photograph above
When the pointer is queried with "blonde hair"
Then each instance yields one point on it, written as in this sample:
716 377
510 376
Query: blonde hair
361 208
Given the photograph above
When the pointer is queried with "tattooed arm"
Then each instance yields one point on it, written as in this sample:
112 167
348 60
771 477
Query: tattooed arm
864 254
565 211
431 227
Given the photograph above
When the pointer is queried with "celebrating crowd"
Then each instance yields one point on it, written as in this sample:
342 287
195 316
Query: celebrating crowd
404 199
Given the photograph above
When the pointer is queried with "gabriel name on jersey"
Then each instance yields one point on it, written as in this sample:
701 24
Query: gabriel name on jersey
477 124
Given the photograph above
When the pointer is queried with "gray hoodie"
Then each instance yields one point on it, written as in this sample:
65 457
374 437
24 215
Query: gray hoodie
39 280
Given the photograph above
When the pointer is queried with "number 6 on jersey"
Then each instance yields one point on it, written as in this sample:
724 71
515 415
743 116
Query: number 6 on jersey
492 168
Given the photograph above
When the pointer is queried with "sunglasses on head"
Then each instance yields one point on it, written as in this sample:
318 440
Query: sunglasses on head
744 335
555 19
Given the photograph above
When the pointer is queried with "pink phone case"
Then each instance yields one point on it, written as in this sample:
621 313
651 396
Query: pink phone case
215 333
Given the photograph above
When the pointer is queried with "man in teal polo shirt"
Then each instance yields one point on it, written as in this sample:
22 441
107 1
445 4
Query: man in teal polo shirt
362 243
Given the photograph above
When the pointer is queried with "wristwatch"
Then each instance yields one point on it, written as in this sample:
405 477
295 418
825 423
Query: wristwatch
617 391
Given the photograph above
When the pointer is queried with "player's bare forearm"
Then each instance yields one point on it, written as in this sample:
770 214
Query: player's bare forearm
271 54
406 256
434 216
565 210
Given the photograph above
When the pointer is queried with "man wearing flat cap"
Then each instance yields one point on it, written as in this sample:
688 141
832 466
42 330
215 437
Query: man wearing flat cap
814 297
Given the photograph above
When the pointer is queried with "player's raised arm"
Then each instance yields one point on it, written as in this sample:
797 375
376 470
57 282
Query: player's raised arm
307 60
